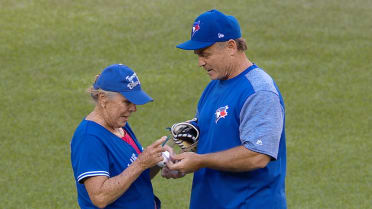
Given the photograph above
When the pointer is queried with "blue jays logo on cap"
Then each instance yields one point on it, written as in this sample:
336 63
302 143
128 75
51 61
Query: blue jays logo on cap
221 112
195 27
120 78
210 27
133 81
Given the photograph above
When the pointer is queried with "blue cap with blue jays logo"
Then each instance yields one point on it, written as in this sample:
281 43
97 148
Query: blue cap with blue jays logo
120 78
211 27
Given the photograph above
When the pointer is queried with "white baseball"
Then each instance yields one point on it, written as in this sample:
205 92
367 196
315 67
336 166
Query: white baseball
166 156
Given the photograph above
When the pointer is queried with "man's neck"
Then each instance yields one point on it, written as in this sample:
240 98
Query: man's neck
241 64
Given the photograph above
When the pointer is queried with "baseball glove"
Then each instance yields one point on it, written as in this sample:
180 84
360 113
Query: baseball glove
186 135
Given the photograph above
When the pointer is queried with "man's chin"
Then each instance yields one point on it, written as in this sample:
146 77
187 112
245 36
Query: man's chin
212 76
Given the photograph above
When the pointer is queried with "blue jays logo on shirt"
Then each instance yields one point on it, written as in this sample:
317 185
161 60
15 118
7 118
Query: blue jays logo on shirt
221 112
195 27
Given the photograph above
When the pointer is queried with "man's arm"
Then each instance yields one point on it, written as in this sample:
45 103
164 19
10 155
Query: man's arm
260 129
237 159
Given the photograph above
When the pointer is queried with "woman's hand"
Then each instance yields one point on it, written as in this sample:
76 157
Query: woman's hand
152 154
171 174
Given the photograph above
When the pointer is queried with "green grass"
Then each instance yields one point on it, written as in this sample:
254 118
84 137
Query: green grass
319 53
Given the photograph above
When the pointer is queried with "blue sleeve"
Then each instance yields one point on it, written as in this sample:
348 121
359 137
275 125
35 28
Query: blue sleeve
89 158
261 123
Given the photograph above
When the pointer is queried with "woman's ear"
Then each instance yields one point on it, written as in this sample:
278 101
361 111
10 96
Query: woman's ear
102 99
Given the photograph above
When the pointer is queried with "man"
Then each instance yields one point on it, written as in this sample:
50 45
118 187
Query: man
241 154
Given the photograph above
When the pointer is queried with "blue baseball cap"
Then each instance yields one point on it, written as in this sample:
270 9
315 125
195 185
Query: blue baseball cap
211 27
120 78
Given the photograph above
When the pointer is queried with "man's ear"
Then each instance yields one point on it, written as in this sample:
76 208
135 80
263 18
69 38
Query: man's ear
232 46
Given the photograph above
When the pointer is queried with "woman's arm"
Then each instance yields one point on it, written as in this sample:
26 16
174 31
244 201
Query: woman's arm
103 190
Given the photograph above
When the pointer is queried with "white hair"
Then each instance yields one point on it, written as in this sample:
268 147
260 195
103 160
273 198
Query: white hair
95 92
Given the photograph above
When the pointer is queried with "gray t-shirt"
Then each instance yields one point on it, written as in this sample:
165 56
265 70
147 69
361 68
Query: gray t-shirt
262 116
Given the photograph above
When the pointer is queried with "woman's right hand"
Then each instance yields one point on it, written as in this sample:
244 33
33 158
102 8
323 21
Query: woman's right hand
152 154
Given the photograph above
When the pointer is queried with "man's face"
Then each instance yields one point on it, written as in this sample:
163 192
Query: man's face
215 60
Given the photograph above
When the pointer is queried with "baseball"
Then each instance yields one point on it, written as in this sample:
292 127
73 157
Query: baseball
165 159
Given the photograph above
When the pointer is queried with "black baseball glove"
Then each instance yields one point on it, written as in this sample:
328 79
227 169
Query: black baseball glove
186 135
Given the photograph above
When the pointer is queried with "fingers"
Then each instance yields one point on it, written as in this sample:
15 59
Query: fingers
186 162
169 163
156 146
169 149
167 173
174 164
158 142
149 159
178 157
175 160
158 149
152 154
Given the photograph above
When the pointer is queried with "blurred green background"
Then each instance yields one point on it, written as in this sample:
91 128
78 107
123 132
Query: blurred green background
319 53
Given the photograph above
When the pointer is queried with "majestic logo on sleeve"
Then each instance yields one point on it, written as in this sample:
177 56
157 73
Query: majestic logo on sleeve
132 159
195 27
133 81
221 113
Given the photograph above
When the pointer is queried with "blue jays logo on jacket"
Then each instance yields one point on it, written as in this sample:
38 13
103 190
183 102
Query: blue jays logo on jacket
221 112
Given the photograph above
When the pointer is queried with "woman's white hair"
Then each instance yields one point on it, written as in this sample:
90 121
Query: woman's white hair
95 92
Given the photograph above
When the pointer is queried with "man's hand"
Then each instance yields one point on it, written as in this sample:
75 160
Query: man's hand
168 173
186 162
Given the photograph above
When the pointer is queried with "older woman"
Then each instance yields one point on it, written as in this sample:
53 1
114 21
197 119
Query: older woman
110 166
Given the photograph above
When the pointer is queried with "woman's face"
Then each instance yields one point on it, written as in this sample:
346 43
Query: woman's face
117 110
